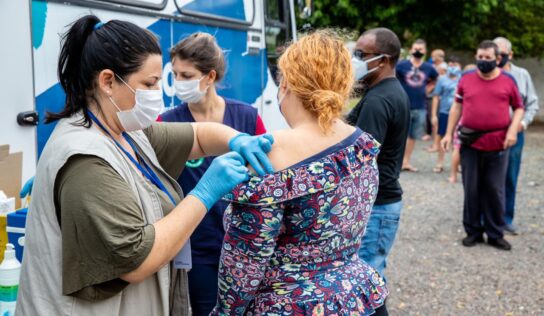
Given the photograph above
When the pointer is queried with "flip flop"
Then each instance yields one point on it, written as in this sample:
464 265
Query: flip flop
409 168
438 169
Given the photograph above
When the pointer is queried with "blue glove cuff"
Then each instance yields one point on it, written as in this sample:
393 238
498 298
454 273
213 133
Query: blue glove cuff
232 140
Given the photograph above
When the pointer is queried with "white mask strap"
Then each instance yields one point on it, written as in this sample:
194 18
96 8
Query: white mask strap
126 84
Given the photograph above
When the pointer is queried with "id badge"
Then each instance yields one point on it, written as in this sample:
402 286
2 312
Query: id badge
183 259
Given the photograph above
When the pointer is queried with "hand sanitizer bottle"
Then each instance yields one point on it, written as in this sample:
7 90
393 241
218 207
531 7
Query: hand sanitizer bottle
10 269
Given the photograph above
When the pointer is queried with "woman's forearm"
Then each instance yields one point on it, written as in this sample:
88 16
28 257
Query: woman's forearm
211 139
171 233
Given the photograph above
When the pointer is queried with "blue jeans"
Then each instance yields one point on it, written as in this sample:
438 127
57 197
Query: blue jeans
203 288
381 231
512 173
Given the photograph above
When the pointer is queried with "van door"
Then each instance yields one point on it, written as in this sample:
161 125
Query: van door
16 82
278 33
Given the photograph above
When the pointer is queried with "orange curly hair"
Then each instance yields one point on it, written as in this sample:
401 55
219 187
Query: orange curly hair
317 68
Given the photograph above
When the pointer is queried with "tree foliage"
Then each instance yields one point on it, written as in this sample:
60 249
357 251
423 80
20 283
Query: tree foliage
453 24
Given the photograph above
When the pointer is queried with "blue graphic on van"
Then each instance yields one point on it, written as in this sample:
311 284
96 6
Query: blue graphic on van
245 77
39 15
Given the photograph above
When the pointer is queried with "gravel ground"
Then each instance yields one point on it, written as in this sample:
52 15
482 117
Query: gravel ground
430 273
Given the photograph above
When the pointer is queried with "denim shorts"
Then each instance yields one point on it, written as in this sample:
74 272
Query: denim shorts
417 123
442 123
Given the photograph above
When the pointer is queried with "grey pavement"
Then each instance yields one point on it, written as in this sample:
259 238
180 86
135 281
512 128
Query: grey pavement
431 273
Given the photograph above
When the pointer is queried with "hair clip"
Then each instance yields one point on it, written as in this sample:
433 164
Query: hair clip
98 25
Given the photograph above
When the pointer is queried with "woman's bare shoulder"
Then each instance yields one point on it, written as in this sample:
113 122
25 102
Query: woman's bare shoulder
282 149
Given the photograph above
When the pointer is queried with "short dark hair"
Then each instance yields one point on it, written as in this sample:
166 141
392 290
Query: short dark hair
489 44
420 41
454 59
89 47
202 51
386 42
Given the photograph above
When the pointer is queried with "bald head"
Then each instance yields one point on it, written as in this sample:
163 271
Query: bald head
385 42
504 44
438 56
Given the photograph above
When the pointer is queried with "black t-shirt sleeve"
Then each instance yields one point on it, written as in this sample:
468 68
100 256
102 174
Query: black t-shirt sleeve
374 117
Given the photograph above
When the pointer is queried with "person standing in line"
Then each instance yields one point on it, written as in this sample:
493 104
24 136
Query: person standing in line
384 112
198 64
438 61
530 100
487 93
456 154
415 75
438 58
443 96
432 129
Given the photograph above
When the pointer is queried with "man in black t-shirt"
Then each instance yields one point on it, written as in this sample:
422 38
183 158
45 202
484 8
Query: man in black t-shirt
383 112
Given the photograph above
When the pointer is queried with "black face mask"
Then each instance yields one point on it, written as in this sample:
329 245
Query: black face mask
486 66
504 59
418 54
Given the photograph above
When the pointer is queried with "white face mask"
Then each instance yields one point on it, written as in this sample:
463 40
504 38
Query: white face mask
280 99
360 67
189 90
149 104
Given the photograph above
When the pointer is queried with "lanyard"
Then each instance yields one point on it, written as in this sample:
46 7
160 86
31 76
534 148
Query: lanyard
143 167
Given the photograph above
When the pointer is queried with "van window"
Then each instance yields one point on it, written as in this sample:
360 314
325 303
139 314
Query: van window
237 11
277 32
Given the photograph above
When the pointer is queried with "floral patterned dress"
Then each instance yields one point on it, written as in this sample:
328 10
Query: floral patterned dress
293 236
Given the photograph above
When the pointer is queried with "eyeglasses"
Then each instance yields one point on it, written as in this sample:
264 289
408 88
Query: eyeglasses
362 55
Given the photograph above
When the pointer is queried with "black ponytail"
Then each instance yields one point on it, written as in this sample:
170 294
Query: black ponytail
88 48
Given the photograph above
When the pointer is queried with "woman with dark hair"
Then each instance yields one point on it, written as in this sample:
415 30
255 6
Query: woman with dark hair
107 217
198 65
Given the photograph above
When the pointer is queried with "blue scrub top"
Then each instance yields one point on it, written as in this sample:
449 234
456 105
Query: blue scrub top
207 240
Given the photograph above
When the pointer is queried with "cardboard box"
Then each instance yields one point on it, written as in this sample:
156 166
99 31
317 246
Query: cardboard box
3 236
11 173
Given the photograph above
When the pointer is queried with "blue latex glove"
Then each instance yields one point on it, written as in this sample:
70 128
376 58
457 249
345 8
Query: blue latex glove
225 172
254 149
27 188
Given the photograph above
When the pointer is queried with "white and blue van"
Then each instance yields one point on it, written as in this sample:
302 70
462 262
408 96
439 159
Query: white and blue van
250 31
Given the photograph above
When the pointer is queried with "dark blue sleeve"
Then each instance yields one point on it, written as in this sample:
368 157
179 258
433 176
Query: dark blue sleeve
433 74
399 71
242 116
175 115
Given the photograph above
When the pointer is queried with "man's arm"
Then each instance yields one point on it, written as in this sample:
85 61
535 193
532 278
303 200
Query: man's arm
531 105
453 119
517 104
434 110
512 134
435 102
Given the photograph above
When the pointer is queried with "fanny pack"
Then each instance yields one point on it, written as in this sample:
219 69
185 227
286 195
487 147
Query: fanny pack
469 136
